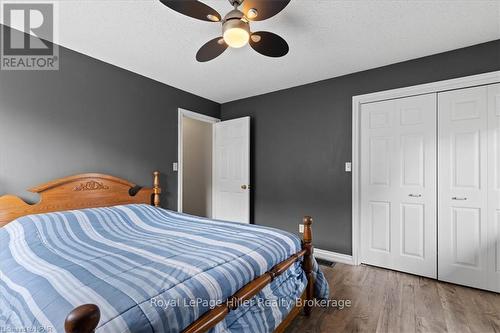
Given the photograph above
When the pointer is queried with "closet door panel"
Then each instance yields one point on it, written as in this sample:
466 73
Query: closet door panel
398 184
463 186
494 187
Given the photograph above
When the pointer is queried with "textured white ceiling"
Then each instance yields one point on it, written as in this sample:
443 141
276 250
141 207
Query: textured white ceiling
327 38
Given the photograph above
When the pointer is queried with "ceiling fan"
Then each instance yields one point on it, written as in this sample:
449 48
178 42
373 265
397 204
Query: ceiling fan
236 26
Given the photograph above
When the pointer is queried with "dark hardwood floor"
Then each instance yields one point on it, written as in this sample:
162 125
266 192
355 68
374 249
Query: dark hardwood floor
389 301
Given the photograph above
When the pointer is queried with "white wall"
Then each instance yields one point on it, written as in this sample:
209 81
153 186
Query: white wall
197 167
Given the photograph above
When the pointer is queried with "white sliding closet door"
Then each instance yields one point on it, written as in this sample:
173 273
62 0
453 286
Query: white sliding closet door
463 187
494 187
398 184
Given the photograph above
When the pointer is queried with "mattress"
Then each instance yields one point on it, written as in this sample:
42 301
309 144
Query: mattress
148 269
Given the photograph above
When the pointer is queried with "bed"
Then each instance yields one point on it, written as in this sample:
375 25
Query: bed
98 254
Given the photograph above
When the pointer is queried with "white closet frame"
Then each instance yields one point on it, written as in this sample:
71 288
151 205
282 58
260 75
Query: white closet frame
434 87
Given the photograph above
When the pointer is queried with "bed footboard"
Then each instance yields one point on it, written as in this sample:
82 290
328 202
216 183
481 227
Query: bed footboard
85 318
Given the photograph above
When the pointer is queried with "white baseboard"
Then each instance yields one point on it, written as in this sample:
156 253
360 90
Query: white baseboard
333 256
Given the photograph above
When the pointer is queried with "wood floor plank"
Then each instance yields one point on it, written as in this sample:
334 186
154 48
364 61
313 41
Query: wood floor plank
389 316
454 308
429 313
481 315
366 306
386 301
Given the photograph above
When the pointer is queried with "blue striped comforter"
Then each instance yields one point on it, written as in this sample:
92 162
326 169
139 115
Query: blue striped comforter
148 269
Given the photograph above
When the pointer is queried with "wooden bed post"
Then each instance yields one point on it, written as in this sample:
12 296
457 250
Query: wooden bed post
83 319
308 263
156 188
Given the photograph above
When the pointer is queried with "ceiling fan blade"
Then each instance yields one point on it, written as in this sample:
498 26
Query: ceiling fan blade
263 9
193 8
211 50
268 44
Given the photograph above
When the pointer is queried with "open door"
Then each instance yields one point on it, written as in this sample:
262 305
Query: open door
231 170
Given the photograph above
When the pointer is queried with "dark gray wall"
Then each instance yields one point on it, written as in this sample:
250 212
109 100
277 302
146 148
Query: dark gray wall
89 117
301 138
92 116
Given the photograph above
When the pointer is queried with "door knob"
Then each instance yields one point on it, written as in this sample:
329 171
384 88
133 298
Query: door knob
244 187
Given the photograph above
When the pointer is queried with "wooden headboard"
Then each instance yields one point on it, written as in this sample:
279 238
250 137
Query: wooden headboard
77 192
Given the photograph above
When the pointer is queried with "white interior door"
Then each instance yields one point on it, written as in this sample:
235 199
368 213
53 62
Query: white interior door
494 187
398 184
231 181
463 186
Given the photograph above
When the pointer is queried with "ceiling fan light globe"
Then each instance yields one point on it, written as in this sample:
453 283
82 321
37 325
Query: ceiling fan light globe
236 37
236 33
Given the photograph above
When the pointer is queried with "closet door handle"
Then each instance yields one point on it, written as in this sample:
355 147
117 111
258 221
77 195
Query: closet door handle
415 195
457 198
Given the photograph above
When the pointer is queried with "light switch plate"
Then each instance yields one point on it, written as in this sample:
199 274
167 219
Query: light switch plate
301 228
348 166
175 166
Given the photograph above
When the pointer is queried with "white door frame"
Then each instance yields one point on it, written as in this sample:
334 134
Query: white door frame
192 115
434 87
